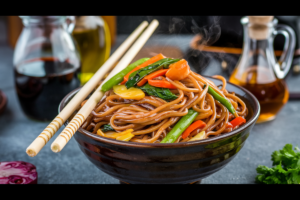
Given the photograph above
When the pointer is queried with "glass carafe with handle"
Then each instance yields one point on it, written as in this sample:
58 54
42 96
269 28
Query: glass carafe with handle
46 62
258 70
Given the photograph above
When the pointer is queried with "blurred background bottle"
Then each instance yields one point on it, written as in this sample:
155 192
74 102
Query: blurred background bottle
94 36
46 62
258 69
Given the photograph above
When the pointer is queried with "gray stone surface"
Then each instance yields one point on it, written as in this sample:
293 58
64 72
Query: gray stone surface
70 166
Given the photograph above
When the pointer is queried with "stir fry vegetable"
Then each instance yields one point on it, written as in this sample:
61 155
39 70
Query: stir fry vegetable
181 125
237 122
152 76
116 79
138 75
222 100
179 70
162 93
131 93
197 124
148 62
162 84
199 136
123 136
107 127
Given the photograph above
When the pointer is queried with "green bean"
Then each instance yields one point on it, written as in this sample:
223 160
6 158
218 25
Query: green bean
221 99
181 125
118 78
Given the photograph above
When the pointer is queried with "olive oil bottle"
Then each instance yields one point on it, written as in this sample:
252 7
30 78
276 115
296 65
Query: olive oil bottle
93 39
258 70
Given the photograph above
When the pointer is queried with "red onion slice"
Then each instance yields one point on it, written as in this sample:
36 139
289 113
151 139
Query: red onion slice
17 172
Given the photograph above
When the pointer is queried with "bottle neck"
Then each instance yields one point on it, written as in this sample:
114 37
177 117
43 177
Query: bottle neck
257 59
258 39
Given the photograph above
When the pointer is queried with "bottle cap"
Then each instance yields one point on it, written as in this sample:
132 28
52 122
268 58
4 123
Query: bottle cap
260 19
258 27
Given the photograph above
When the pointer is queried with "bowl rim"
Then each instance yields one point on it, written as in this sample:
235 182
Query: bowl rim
256 112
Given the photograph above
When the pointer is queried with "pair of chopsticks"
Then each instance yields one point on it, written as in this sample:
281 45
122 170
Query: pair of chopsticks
63 138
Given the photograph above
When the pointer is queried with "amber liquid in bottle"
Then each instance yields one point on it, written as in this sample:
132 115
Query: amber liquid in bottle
272 93
93 50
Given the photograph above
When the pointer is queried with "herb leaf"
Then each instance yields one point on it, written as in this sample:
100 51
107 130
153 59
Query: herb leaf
286 167
163 93
107 127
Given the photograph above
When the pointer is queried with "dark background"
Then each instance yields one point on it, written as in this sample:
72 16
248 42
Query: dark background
230 27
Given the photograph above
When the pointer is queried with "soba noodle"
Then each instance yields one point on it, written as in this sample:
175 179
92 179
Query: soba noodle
151 118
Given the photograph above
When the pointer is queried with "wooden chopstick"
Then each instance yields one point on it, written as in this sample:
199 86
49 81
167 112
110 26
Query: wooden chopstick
90 104
35 147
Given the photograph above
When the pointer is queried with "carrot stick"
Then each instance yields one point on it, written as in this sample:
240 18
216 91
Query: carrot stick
192 127
148 62
161 84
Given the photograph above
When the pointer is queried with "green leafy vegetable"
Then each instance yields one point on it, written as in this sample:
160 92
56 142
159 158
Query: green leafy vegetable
138 75
118 78
163 93
107 127
286 167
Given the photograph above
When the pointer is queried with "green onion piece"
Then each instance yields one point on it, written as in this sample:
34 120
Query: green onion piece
181 125
118 78
222 100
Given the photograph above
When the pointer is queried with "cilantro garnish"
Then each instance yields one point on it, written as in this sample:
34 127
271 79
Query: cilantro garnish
285 170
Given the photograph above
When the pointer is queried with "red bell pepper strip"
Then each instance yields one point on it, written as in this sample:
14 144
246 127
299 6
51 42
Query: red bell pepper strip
152 76
192 127
145 64
237 122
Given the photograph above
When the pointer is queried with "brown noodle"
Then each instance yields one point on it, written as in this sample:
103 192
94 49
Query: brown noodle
152 118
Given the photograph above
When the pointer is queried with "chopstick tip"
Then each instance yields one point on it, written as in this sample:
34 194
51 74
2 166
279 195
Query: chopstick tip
155 21
31 152
55 148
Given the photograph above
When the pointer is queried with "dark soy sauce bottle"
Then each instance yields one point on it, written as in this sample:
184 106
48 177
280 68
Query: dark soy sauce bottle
42 84
46 65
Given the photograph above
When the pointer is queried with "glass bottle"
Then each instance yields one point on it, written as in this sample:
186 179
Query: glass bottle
258 70
93 38
46 63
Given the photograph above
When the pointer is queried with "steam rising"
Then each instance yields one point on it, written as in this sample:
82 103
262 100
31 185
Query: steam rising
208 36
176 23
205 35
206 31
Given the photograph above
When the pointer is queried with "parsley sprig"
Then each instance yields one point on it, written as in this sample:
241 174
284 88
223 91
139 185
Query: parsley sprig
286 167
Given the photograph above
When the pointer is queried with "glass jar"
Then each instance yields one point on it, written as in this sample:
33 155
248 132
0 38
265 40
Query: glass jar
258 70
46 62
93 38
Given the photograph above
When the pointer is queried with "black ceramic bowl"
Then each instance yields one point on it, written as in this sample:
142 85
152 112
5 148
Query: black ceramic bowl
187 162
